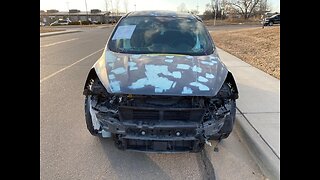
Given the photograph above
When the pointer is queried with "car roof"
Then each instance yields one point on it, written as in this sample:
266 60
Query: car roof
163 13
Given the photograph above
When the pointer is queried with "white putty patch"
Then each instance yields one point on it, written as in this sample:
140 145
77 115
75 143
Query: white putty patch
111 65
133 68
201 86
110 57
196 69
176 74
161 84
202 79
140 83
168 60
207 63
119 70
213 58
132 63
115 86
111 76
158 83
186 90
209 75
189 57
183 66
169 56
154 71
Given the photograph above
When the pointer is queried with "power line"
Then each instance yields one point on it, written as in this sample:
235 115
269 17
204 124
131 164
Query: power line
86 9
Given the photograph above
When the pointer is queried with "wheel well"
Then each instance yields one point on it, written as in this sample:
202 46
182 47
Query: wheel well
230 80
92 75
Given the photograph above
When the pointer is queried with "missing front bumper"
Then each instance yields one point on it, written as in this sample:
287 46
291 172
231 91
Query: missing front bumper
160 136
168 146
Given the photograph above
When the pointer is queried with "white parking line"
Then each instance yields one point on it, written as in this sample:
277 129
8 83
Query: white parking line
47 45
53 74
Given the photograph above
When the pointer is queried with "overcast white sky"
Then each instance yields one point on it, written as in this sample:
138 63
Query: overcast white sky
63 5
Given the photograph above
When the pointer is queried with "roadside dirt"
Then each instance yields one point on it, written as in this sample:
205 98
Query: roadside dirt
259 47
46 29
219 22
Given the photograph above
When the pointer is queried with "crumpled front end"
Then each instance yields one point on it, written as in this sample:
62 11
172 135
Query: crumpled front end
156 122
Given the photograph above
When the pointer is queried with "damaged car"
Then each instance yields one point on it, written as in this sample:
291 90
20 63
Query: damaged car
160 85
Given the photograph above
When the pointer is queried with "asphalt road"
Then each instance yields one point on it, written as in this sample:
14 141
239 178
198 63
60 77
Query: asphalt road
68 151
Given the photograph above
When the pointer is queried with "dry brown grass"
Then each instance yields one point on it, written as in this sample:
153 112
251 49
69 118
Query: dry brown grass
48 29
256 46
230 21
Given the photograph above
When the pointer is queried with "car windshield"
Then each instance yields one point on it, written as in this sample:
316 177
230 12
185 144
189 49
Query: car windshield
168 35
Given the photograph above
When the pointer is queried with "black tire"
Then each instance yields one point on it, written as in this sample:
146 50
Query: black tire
227 126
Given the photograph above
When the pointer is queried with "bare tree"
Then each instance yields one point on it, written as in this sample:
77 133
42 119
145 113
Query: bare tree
182 8
245 7
194 11
264 7
208 12
125 4
117 6
106 4
216 8
111 5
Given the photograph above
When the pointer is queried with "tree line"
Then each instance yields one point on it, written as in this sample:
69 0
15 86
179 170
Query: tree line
236 8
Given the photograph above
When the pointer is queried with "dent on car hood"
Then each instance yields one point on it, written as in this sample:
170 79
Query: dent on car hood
161 74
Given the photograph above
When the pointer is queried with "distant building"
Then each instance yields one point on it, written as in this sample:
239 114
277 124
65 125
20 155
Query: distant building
95 11
75 15
74 11
52 11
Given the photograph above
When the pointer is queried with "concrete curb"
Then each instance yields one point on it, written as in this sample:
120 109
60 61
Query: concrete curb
58 33
268 162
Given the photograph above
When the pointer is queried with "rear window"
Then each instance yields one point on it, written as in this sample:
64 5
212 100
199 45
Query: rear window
147 35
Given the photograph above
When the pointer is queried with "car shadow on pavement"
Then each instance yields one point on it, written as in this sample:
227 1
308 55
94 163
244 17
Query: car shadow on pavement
131 165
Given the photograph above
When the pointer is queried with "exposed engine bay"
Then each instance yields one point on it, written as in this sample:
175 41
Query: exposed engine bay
157 122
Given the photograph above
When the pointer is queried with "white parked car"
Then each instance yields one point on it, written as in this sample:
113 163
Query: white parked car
60 22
